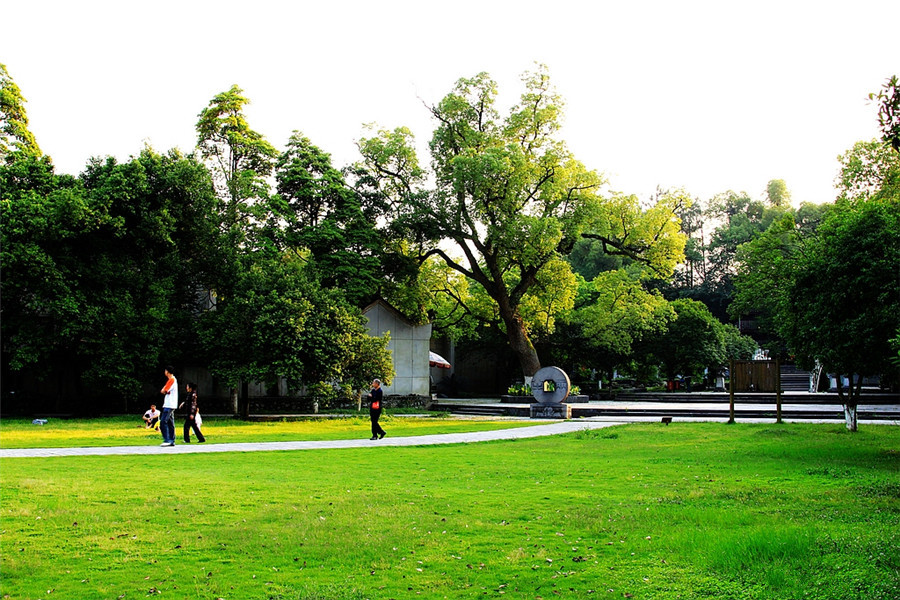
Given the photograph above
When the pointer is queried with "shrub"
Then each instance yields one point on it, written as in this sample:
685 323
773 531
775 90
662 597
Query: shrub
519 389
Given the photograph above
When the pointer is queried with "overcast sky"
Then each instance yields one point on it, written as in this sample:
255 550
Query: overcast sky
707 96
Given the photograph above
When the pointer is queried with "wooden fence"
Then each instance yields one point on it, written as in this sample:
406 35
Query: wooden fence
755 376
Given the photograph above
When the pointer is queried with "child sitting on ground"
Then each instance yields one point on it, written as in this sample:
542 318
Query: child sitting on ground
151 418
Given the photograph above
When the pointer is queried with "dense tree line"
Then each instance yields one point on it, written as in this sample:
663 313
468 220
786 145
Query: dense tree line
184 259
254 263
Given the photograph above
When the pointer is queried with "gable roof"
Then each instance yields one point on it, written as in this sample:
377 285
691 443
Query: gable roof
387 305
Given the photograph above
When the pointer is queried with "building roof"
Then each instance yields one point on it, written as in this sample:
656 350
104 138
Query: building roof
390 308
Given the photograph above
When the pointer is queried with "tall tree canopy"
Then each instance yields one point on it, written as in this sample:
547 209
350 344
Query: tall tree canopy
889 111
240 158
99 273
278 310
317 210
161 259
833 294
511 201
14 133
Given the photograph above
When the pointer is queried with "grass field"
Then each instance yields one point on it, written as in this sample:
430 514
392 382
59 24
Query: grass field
637 511
129 431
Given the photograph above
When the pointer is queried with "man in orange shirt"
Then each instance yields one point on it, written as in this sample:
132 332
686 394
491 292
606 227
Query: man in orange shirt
170 403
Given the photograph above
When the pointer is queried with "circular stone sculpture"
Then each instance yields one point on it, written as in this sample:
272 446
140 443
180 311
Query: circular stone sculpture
550 385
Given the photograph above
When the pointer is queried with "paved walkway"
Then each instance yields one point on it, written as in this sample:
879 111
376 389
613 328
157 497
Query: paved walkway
545 429
420 440
707 406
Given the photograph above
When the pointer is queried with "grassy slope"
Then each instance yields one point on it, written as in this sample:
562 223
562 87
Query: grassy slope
641 511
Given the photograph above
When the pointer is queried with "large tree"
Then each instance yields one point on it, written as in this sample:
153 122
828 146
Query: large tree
844 302
692 340
889 111
278 310
99 273
314 208
14 133
832 294
509 201
239 157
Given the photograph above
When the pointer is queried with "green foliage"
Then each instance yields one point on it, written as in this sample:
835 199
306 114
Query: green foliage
649 237
833 297
240 158
278 312
323 214
694 339
744 219
765 269
612 314
44 219
519 389
737 346
777 193
512 201
279 322
588 259
889 111
15 137
139 264
100 274
869 170
842 303
619 311
717 229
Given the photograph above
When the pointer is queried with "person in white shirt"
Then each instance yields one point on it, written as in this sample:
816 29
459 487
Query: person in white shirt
170 404
151 418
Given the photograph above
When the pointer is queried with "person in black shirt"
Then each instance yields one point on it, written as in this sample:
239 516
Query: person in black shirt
375 400
192 413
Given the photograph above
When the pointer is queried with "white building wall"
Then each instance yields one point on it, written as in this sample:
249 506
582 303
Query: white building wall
409 346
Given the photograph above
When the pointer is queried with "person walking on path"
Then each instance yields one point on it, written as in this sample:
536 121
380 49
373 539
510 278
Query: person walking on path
375 400
170 404
192 414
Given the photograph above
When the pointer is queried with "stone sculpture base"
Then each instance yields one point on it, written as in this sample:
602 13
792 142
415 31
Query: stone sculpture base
551 411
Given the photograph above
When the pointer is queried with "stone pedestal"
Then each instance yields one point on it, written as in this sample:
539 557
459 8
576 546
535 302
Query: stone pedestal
551 411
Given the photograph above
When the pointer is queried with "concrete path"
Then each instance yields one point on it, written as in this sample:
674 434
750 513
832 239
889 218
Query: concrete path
537 430
704 405
554 428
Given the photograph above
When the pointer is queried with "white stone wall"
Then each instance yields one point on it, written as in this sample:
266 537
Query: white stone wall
409 347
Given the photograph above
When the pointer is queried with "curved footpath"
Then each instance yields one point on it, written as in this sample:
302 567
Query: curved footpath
420 440
544 429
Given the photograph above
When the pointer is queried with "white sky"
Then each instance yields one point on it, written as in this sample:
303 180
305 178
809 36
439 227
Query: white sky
708 96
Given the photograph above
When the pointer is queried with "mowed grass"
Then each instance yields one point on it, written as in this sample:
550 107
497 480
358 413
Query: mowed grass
636 511
130 431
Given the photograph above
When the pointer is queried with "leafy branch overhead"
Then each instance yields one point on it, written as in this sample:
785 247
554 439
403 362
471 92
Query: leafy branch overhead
889 111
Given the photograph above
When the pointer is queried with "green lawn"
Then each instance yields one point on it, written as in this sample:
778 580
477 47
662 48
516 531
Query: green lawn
128 431
637 511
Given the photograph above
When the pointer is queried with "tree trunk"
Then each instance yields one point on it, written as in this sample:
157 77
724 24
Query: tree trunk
850 416
521 345
850 400
245 400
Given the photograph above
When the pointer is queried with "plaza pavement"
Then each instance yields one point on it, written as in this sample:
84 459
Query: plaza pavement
537 430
